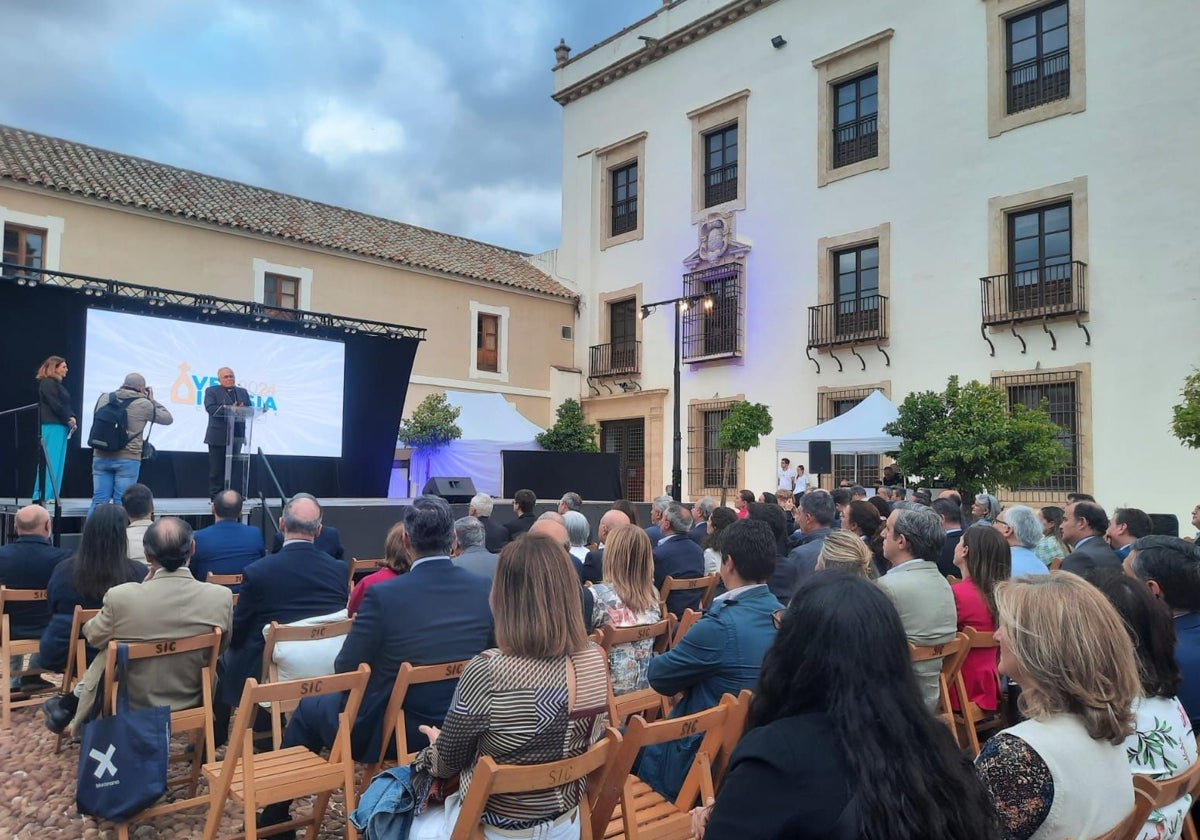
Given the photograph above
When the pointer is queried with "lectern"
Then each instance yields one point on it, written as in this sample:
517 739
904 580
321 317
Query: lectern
239 422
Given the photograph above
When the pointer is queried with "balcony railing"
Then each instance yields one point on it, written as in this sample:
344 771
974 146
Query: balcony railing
624 216
864 319
619 359
1052 291
1032 83
720 185
856 141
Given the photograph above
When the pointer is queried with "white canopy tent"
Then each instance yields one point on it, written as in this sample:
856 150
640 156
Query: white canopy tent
858 431
489 424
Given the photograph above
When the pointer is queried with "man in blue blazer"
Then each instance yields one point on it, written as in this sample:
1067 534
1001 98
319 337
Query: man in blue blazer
227 546
678 556
299 582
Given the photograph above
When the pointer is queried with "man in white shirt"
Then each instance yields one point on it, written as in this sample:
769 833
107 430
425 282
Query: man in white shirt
786 478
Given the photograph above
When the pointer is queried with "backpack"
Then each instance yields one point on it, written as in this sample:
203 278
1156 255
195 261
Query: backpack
110 425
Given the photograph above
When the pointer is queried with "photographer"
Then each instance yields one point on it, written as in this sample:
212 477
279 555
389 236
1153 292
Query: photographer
116 437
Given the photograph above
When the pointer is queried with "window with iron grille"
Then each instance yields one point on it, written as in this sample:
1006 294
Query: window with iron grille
856 119
857 469
1038 57
622 334
487 343
627 440
281 291
706 458
712 320
1059 392
1039 257
720 165
624 197
857 273
24 246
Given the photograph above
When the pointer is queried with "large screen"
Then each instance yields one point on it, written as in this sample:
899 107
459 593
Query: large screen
295 383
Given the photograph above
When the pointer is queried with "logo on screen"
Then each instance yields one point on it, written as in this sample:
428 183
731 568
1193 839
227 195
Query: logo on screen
188 389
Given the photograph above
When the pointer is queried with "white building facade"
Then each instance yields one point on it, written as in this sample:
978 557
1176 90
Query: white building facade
874 194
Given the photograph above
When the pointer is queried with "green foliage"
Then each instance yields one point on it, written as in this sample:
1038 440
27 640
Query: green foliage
432 424
968 437
569 433
746 424
1186 422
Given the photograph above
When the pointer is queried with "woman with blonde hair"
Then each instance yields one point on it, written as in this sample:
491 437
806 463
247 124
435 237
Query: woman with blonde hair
844 552
396 562
57 419
627 598
1062 772
540 695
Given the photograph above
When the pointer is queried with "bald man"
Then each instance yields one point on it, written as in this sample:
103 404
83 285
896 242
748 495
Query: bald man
27 563
216 436
593 564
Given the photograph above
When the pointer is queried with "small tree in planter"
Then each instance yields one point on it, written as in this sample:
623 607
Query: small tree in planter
431 426
741 431
569 432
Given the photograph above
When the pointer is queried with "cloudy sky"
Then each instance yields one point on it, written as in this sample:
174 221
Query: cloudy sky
434 112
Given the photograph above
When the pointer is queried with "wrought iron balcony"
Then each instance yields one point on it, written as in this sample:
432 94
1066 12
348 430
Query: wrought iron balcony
858 321
720 185
1038 81
1052 291
623 358
856 141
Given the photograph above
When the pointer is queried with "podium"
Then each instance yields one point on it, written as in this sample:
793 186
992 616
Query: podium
239 423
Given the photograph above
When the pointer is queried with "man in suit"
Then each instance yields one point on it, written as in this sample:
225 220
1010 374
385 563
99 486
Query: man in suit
678 557
951 515
496 534
435 613
654 529
1127 526
814 516
912 541
523 503
328 539
228 545
593 564
138 502
300 581
216 397
27 563
470 552
700 513
168 604
1084 524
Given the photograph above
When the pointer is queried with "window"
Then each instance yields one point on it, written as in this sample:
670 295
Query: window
857 272
24 246
857 469
712 319
856 120
281 292
624 199
720 166
283 288
1061 393
1036 65
707 471
1039 257
852 109
719 156
1039 57
853 283
487 343
622 330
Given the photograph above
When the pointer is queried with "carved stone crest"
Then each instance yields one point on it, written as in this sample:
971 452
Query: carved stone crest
718 244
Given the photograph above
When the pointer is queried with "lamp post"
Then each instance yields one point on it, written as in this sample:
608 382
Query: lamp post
679 304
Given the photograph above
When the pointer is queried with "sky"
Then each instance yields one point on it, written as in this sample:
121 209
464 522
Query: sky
432 112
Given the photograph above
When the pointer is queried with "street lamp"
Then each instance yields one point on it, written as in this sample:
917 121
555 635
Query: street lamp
679 304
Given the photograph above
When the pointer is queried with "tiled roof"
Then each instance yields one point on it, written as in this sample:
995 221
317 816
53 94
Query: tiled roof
61 165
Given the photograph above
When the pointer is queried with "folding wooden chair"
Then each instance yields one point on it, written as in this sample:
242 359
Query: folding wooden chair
253 781
1130 827
280 633
1165 792
685 623
225 580
363 567
643 701
708 583
1056 564
393 718
735 725
492 778
10 647
196 722
644 813
970 718
76 660
951 654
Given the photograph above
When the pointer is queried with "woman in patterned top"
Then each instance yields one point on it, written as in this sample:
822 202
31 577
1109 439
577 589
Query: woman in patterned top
1062 772
1162 744
1050 547
540 695
627 598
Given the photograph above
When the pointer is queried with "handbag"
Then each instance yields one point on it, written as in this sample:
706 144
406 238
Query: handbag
123 757
148 450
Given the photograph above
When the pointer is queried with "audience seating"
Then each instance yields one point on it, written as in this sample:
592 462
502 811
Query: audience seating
1166 791
738 709
1056 564
225 580
317 666
393 718
76 660
645 701
10 647
196 722
685 623
951 654
1130 827
642 812
970 718
253 781
706 582
491 778
363 567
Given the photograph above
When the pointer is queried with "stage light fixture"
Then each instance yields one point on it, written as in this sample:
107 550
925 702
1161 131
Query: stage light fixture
93 290
156 300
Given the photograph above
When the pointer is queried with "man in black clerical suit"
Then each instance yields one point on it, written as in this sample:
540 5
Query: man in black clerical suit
216 436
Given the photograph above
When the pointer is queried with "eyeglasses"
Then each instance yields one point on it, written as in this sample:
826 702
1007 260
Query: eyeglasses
777 618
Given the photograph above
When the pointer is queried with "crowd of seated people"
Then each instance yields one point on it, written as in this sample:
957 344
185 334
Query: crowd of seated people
1101 656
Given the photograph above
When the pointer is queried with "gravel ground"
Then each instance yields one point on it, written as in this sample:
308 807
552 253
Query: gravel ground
37 795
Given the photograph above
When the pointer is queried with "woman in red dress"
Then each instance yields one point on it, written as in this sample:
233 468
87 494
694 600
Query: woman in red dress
984 559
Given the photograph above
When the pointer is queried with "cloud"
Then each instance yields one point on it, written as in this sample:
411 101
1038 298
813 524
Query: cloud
341 133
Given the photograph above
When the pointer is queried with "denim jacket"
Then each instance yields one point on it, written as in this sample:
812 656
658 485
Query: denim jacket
386 809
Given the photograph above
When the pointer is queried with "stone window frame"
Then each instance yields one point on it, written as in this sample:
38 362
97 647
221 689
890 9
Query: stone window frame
262 268
998 14
611 158
51 226
870 53
604 322
473 371
827 246
694 474
706 119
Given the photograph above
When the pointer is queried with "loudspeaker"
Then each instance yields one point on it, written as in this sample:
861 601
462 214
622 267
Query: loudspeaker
454 490
820 457
1164 523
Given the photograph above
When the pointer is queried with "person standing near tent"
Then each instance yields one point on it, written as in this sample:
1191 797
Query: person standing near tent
785 478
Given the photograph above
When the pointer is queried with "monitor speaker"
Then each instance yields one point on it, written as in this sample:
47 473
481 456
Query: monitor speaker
457 490
820 457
